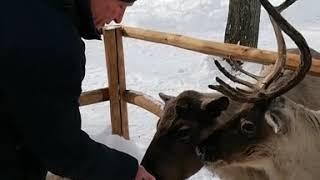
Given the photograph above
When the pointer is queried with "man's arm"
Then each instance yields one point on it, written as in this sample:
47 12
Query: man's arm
42 96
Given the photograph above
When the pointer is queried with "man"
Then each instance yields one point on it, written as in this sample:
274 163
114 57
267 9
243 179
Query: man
42 64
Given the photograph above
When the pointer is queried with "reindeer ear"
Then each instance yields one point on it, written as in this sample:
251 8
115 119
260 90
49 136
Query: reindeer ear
217 105
274 120
165 97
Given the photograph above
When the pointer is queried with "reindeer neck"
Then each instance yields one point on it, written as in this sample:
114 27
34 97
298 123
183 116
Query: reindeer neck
297 155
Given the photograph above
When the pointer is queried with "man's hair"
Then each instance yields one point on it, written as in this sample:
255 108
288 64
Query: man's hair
129 1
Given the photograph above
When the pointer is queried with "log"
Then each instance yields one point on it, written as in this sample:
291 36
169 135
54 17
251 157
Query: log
116 80
122 84
94 96
133 97
216 48
144 101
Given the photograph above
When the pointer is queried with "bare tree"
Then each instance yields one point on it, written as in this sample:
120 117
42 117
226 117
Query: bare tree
243 23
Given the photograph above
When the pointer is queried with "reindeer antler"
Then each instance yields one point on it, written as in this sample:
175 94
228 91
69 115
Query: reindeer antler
285 5
269 87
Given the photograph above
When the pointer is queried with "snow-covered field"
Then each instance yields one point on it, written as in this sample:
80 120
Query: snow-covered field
154 68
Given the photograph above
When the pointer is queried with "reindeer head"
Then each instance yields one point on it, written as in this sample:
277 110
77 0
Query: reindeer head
250 135
188 118
186 121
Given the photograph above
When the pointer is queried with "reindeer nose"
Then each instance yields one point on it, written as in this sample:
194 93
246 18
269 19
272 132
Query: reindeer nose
206 152
200 153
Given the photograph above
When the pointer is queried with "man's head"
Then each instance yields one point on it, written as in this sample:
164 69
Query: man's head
105 11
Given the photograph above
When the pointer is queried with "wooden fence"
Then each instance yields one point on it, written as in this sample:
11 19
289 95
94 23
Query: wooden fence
119 96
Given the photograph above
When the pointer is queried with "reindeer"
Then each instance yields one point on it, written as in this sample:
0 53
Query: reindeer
270 137
189 118
171 154
275 139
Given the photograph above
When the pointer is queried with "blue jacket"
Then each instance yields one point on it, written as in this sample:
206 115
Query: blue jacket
42 65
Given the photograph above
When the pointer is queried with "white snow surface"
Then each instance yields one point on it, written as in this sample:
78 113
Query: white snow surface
153 68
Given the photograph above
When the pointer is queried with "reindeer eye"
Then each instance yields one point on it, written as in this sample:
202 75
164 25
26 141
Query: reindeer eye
183 134
248 128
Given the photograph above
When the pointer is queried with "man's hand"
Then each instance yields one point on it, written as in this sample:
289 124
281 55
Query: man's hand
142 174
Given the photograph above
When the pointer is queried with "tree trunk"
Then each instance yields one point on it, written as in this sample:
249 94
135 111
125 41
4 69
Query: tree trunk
243 22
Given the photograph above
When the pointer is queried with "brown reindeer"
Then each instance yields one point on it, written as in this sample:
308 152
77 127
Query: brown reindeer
275 140
172 154
272 136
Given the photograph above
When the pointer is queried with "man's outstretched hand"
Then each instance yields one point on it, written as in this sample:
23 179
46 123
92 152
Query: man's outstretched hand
143 174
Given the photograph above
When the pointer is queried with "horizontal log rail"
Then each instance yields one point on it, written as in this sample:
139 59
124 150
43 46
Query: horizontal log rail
144 101
133 97
216 48
94 96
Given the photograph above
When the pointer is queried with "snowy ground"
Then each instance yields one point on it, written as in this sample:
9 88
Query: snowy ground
154 68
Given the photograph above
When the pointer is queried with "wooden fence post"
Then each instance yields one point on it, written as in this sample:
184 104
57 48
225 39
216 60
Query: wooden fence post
117 82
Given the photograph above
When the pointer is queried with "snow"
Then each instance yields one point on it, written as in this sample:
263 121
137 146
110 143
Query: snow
153 68
119 143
